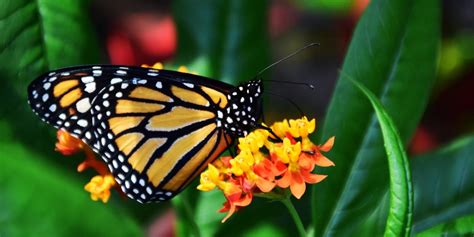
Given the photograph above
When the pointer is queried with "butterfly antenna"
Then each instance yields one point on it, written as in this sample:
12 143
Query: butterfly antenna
311 86
287 57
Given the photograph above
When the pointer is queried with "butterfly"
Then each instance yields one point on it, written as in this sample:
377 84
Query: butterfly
155 129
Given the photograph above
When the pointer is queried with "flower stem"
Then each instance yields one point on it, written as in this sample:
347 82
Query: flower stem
190 216
294 215
186 224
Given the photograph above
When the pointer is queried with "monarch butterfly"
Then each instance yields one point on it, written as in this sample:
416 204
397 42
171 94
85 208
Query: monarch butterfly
155 129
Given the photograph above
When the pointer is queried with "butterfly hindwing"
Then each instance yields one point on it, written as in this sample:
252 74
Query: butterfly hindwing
156 134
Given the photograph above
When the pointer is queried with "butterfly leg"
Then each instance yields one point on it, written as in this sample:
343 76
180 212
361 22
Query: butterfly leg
232 153
269 130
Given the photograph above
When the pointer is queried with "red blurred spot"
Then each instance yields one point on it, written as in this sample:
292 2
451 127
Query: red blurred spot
282 17
142 38
422 141
120 49
163 226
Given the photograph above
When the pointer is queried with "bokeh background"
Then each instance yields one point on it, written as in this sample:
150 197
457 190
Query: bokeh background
141 32
144 32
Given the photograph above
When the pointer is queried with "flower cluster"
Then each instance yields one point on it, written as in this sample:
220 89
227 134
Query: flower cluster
268 160
100 185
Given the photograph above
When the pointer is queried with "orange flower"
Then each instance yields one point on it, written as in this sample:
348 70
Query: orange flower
67 144
263 164
100 185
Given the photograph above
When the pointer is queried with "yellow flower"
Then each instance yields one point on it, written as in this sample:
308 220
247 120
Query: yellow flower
281 128
242 163
158 66
301 127
253 141
294 127
288 152
100 186
209 178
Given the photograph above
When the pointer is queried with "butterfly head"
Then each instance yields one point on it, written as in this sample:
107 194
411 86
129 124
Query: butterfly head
244 109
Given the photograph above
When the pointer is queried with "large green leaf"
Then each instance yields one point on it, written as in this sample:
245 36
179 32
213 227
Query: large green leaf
444 184
463 226
226 39
38 36
393 53
39 200
401 190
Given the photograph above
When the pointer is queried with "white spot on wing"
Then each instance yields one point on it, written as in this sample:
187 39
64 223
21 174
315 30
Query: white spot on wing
82 122
47 85
115 80
87 79
83 105
90 87
52 108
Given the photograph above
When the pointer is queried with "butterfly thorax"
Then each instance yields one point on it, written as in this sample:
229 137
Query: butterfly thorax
243 110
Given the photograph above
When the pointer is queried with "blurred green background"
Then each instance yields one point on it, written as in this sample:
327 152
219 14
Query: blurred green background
415 55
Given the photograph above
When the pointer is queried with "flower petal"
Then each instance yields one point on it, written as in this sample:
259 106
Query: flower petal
312 178
328 145
284 181
297 186
265 185
323 161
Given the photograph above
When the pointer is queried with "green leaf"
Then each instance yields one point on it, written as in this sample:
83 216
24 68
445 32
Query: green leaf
444 184
393 53
227 39
185 212
460 227
401 191
39 200
38 36
42 35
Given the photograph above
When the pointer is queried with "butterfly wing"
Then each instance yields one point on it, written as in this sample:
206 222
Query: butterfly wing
156 130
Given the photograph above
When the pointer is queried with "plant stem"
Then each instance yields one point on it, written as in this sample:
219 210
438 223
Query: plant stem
294 215
185 221
189 213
